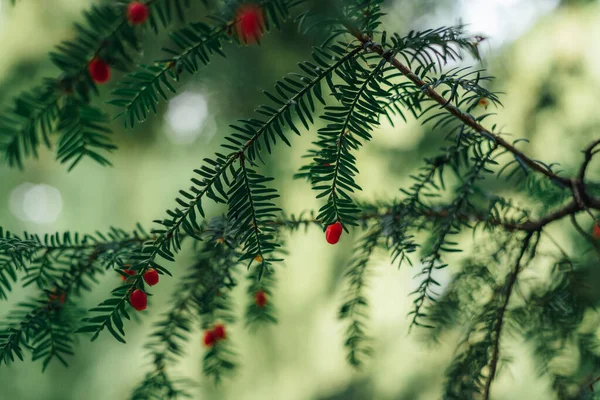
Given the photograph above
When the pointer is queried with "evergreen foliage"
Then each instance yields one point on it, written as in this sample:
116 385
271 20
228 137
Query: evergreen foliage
357 78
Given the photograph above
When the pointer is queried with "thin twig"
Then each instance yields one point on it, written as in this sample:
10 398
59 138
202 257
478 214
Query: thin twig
511 280
583 233
589 154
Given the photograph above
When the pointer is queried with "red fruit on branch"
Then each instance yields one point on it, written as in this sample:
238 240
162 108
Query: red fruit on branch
129 272
151 277
60 297
138 300
260 299
333 233
137 13
219 332
596 232
209 338
99 70
249 23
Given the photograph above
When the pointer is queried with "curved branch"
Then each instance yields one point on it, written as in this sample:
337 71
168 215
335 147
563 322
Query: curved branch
455 111
589 154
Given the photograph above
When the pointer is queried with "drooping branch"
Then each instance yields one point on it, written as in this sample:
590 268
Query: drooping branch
355 307
452 109
252 212
450 224
333 168
508 289
200 294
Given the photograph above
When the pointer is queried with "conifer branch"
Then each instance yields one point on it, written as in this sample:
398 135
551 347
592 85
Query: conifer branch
334 163
508 289
200 294
525 225
83 133
424 180
589 153
455 111
251 210
62 266
42 258
450 225
257 314
355 307
39 327
39 323
160 386
15 254
195 44
62 104
90 249
33 111
589 238
215 179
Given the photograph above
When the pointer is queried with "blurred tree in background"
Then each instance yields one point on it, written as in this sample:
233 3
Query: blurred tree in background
495 235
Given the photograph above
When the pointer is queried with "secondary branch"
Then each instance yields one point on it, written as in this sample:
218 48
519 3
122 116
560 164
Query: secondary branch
458 113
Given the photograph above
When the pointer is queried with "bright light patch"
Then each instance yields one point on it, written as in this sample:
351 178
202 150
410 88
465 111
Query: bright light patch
502 20
187 118
38 203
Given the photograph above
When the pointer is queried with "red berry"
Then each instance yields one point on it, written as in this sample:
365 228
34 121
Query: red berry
260 299
99 70
219 332
333 233
249 23
209 338
129 272
137 12
138 300
151 277
60 297
596 232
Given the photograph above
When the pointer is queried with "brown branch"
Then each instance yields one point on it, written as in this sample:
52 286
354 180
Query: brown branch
511 280
578 185
586 235
571 208
455 111
589 384
532 226
589 154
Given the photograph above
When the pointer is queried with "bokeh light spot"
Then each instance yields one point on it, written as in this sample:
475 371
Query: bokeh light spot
187 118
38 203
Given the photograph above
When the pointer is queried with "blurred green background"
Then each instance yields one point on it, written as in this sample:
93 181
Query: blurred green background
545 56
